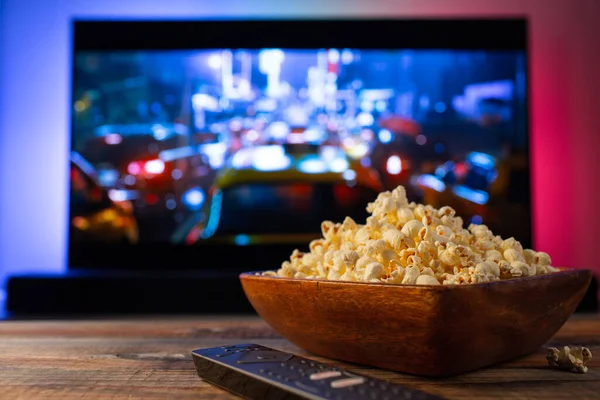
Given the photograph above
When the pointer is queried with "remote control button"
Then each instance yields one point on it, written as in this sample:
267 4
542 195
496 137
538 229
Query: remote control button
224 354
325 375
343 383
265 357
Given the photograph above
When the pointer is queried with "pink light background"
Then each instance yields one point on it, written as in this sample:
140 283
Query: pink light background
34 115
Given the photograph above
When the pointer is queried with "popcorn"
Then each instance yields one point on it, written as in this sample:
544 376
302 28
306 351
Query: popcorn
393 238
361 263
519 268
493 255
411 228
387 255
408 243
396 276
373 271
427 280
541 258
528 255
448 256
411 274
513 255
403 215
442 230
570 359
362 235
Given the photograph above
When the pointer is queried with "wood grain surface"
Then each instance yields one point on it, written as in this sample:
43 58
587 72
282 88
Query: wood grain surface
150 359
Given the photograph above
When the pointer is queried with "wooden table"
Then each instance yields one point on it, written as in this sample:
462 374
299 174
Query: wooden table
150 359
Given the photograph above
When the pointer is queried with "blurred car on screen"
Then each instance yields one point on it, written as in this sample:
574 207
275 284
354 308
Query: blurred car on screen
399 124
94 215
155 166
399 156
464 184
277 194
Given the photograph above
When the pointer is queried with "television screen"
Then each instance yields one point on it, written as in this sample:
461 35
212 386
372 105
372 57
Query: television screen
223 149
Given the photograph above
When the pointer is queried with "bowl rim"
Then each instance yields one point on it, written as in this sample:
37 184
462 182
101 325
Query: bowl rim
563 271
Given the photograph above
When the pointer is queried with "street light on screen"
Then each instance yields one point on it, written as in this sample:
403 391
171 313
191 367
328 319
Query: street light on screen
215 61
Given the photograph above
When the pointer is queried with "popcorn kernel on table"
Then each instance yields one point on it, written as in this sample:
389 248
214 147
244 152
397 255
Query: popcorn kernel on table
570 359
410 243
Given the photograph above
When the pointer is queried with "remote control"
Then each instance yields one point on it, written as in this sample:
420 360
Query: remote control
257 372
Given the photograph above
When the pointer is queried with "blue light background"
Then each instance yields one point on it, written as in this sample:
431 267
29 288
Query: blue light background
35 62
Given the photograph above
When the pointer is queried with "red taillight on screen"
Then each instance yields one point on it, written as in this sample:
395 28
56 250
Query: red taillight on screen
193 235
344 195
460 170
152 167
301 191
151 199
96 193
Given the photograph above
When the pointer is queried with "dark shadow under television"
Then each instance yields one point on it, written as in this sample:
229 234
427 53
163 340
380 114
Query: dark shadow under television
202 149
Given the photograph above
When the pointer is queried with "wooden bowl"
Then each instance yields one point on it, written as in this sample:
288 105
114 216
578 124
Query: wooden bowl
430 331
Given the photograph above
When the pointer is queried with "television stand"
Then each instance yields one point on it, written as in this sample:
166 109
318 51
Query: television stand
88 293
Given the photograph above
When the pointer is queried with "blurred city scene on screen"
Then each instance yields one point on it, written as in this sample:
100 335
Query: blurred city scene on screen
259 146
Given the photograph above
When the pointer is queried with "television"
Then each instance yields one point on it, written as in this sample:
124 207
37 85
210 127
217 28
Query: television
221 145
